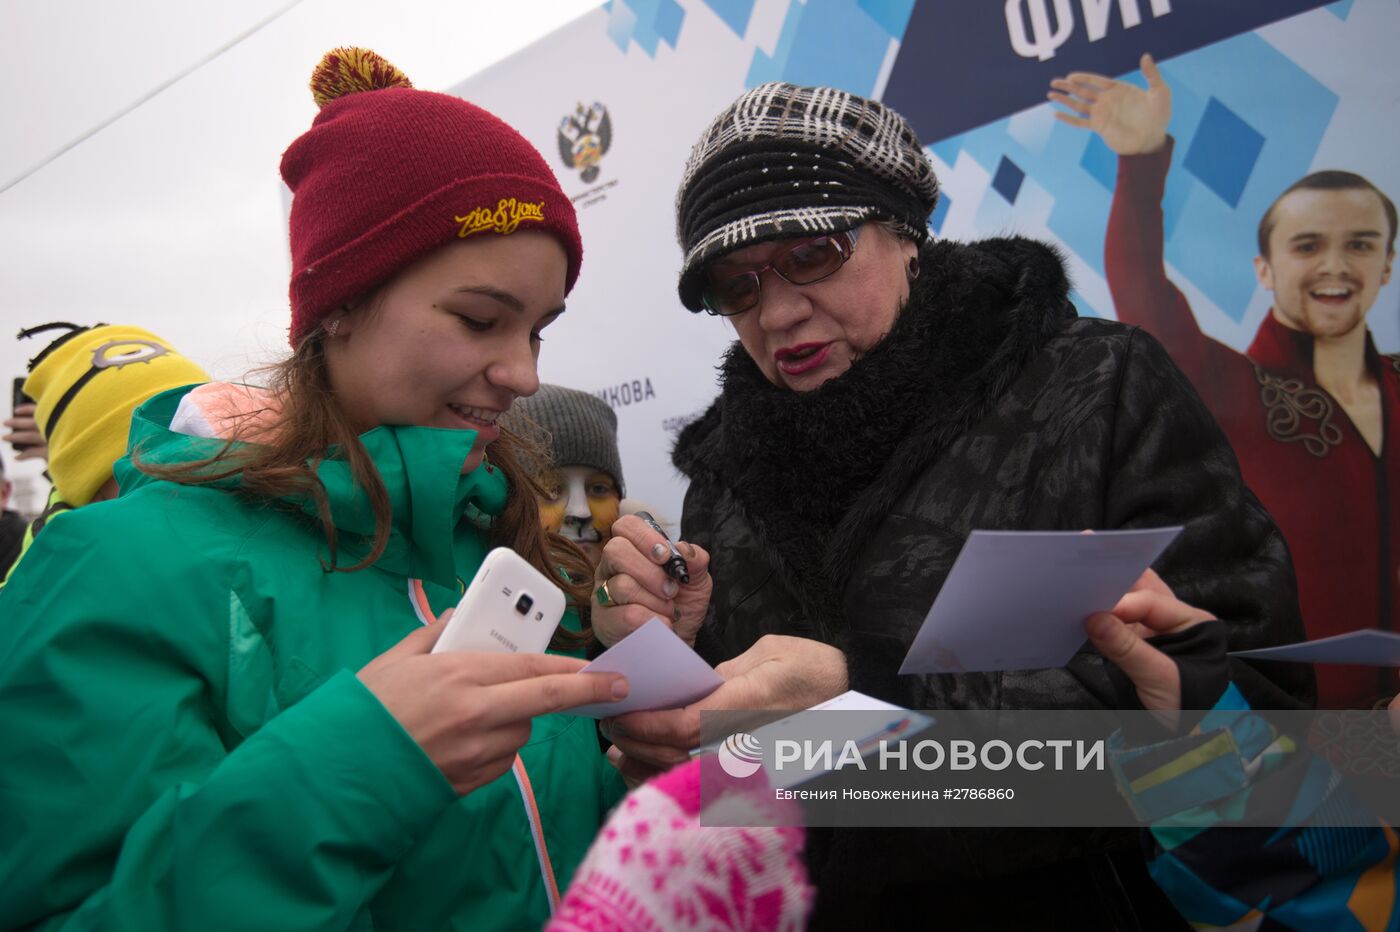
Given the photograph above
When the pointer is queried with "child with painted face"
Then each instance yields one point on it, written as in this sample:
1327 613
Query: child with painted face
217 697
583 484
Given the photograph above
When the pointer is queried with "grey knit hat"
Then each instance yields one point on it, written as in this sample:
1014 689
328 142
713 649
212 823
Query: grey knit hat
580 429
785 161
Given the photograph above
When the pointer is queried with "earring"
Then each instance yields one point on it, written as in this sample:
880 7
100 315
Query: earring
913 267
332 326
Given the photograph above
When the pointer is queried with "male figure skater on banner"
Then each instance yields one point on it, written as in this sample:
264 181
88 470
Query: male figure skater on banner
1309 406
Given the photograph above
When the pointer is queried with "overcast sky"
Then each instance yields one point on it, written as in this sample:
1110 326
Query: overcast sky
74 64
172 217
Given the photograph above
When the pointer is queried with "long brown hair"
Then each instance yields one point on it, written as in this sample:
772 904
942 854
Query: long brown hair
309 421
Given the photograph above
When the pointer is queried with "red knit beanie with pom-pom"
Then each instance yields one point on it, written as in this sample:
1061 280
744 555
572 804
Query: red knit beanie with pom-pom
387 174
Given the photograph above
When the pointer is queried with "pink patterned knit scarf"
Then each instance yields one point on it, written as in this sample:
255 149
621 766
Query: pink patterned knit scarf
654 867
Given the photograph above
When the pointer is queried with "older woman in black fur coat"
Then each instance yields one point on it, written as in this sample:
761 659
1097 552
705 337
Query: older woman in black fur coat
887 396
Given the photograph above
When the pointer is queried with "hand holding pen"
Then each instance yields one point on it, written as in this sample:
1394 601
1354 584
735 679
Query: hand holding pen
644 575
675 563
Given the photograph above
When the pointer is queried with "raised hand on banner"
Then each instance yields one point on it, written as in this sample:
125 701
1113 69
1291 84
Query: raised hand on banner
1130 120
1150 608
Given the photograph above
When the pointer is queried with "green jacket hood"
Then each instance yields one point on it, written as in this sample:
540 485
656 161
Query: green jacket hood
420 467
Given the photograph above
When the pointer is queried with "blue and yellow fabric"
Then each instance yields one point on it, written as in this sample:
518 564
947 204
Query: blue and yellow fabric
1332 865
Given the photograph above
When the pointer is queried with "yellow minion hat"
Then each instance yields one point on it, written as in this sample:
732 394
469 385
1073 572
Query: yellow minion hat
85 386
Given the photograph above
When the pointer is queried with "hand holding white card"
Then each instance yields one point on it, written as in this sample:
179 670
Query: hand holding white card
866 723
1017 600
1371 647
662 672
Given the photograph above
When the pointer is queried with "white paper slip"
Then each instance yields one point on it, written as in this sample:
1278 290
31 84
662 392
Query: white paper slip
1371 647
661 669
852 701
1017 600
848 701
868 722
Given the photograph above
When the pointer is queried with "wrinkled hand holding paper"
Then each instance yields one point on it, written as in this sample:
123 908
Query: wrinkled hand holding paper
1017 600
661 669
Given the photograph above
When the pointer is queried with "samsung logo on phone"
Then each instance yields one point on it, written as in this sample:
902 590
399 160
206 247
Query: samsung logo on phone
510 645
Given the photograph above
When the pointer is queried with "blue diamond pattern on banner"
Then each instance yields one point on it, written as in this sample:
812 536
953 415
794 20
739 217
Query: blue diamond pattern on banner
645 22
1290 109
948 149
1085 307
1032 128
669 16
1342 8
622 22
940 213
734 13
804 53
1223 152
1100 162
1008 180
891 14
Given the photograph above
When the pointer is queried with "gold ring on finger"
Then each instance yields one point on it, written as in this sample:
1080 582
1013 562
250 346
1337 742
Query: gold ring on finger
604 596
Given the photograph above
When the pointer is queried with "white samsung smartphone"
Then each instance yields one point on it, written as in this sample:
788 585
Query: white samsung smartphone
510 607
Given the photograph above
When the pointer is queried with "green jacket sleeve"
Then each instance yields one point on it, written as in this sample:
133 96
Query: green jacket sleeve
127 801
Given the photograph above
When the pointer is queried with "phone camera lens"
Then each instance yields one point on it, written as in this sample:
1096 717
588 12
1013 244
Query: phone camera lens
522 604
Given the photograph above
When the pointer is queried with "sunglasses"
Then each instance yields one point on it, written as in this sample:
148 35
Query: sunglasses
805 262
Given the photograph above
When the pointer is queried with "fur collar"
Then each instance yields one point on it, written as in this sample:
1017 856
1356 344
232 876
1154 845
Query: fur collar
815 472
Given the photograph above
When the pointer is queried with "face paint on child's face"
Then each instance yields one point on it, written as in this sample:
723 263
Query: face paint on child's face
583 508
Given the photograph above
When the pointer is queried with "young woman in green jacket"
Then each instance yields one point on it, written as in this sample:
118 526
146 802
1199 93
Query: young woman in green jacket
218 705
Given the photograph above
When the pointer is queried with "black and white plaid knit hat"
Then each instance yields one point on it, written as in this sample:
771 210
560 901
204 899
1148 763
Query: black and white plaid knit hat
784 161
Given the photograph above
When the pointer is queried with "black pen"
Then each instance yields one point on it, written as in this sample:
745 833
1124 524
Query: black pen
675 564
